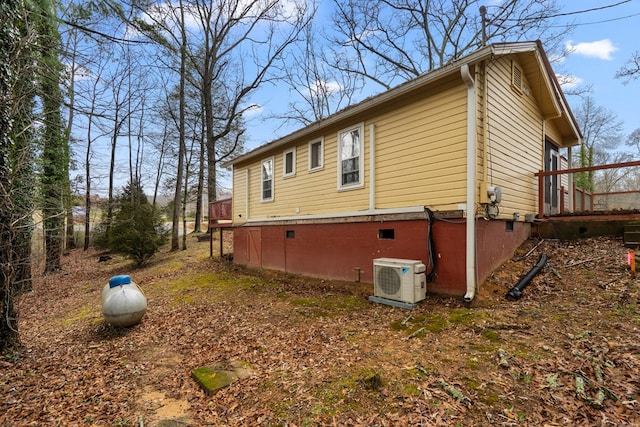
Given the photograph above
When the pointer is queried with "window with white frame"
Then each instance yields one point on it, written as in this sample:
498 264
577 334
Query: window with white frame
267 180
350 158
315 155
289 163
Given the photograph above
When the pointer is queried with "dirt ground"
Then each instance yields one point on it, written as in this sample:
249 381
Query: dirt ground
319 353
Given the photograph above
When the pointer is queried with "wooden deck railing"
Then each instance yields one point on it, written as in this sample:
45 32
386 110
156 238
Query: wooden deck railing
582 199
219 210
586 195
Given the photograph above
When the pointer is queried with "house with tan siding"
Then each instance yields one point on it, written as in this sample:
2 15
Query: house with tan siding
439 169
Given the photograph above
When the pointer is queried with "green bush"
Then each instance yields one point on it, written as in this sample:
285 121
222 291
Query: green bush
138 229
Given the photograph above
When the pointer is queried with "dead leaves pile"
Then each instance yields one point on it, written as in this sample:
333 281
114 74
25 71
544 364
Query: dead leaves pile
321 354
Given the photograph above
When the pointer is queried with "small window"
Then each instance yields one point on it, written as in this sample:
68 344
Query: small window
508 226
267 180
291 234
315 155
350 158
289 163
387 233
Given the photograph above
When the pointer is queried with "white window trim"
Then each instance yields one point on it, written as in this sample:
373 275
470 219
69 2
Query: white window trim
360 182
273 164
284 163
321 157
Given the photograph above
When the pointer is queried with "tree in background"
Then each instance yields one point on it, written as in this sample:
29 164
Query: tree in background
233 45
391 41
10 13
320 90
22 158
55 152
18 55
602 133
631 70
137 231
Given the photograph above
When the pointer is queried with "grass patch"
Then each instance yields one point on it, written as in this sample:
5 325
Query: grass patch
491 335
466 317
352 392
411 390
471 384
624 310
484 348
87 311
473 363
421 324
198 285
330 305
532 354
435 323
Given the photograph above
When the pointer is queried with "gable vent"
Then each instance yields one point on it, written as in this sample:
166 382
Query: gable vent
517 77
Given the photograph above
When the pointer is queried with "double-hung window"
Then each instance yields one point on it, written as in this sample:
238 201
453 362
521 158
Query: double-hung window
315 155
289 163
350 158
267 180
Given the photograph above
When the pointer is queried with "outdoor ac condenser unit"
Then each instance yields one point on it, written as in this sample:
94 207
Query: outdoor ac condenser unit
399 279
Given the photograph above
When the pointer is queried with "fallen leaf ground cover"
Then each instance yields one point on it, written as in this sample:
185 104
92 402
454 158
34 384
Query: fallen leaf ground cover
319 353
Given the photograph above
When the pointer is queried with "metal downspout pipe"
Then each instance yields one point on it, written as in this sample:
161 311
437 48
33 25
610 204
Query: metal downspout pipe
471 184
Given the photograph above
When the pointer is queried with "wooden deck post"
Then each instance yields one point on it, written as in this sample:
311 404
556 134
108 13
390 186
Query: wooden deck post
540 194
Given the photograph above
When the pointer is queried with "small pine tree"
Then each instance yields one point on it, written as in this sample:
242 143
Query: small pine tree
138 230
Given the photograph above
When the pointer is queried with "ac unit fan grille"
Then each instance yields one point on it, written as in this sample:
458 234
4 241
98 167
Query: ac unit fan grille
388 280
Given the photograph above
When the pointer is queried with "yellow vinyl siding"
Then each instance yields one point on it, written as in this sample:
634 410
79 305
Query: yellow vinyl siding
239 205
421 150
515 141
552 132
481 120
309 193
420 159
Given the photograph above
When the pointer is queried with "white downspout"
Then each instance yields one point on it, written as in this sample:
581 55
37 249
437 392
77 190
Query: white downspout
372 168
471 184
570 179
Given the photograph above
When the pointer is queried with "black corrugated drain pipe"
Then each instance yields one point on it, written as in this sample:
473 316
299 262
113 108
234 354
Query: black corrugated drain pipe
516 292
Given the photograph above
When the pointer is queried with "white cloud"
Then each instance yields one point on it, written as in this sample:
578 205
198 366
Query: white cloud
253 111
568 81
80 72
600 49
325 88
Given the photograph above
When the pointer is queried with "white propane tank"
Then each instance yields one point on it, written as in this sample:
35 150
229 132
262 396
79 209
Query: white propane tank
123 302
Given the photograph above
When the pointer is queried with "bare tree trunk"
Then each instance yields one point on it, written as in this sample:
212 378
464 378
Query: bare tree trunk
8 321
197 228
160 169
87 171
175 243
185 196
71 241
54 153
112 168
